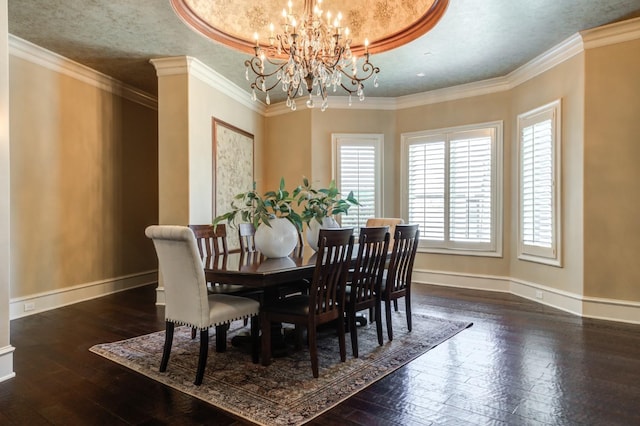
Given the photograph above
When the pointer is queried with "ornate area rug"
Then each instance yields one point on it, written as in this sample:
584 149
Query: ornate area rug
284 393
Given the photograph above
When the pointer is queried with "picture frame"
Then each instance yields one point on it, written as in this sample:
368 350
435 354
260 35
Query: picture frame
233 167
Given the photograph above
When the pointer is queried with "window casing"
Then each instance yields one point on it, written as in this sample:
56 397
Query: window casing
452 187
539 184
357 167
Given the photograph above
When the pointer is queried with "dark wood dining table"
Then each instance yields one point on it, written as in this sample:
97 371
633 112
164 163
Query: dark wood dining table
252 269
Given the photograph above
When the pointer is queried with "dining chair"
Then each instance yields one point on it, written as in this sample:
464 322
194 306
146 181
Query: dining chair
397 282
211 241
187 301
246 234
391 222
363 290
212 244
325 301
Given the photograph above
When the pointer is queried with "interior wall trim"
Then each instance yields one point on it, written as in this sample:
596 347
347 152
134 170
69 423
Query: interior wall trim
576 304
178 65
609 34
28 51
54 299
6 363
618 32
577 43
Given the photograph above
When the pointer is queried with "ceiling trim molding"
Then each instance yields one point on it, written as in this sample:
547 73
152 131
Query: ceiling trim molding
338 102
617 32
174 65
551 58
38 55
223 84
180 65
477 88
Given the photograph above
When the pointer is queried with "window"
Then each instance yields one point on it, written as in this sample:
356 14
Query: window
539 172
358 168
453 188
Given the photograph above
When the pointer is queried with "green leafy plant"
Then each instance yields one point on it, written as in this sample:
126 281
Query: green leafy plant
257 209
321 203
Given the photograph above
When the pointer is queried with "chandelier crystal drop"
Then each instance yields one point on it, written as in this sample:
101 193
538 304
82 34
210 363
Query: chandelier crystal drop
313 51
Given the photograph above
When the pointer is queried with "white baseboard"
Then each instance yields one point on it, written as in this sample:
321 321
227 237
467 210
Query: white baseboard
160 296
36 303
6 363
577 304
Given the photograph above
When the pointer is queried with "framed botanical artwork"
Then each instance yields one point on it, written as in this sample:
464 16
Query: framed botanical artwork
233 167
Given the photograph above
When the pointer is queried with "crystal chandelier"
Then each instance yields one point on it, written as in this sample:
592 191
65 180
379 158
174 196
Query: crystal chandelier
312 54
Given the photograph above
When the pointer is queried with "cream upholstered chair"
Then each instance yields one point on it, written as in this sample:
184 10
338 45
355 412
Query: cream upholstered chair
186 299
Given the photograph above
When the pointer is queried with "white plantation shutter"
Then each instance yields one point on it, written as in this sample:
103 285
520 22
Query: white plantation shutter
427 188
452 188
538 192
470 190
358 169
537 184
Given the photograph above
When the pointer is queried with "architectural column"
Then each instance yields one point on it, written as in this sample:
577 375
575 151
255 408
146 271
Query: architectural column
6 350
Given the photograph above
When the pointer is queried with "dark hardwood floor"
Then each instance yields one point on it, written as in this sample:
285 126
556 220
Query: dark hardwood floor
520 363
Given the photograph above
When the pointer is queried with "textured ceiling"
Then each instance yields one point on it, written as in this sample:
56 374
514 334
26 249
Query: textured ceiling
475 40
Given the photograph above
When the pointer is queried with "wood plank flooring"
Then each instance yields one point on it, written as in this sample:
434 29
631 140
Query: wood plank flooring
520 364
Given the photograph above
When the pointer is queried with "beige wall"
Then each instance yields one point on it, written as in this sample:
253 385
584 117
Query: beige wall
612 172
479 109
564 82
288 150
83 182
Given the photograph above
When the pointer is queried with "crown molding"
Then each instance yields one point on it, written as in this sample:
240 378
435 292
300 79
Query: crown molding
178 65
337 102
477 88
28 51
174 65
553 57
617 32
570 47
602 36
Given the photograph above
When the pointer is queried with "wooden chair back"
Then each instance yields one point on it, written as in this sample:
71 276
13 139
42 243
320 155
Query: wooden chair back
364 287
373 246
400 266
391 222
246 235
326 292
211 241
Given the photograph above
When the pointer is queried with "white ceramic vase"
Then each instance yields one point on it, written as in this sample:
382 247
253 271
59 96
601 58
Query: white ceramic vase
313 229
277 240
